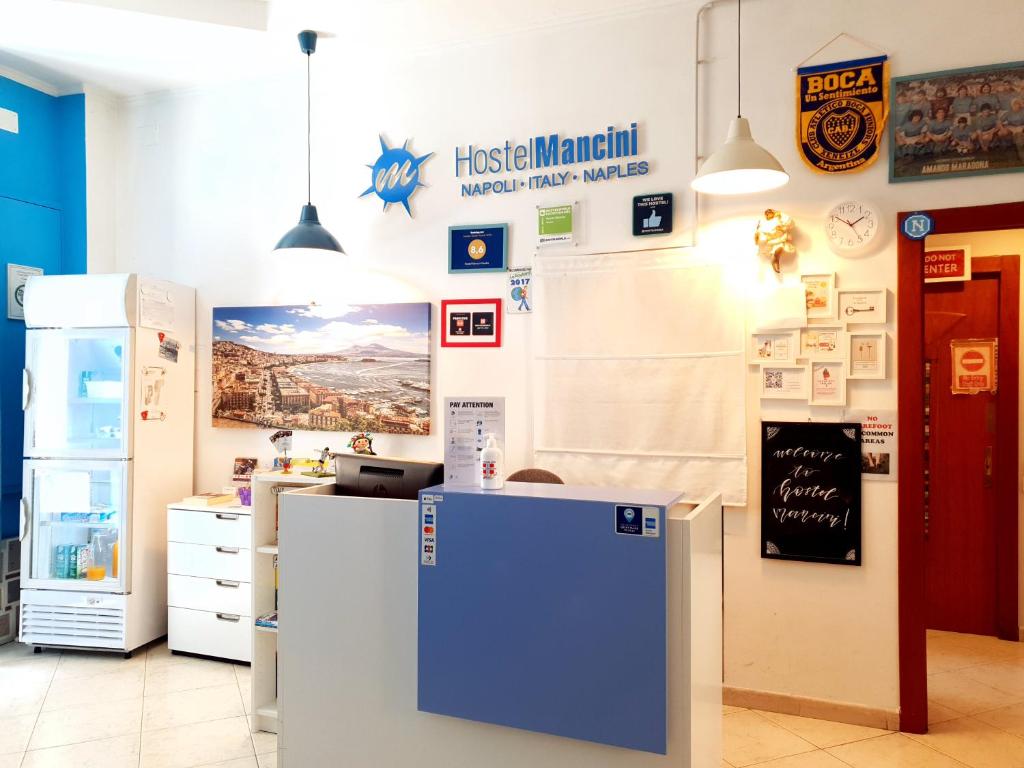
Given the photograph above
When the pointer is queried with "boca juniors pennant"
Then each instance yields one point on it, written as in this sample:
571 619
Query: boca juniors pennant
842 108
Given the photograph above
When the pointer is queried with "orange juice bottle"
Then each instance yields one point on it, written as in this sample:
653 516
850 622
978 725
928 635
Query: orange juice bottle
114 565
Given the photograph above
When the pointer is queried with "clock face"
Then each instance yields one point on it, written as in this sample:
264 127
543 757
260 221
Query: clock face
851 226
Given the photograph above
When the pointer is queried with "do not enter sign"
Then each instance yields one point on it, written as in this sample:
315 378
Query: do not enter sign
972 360
974 365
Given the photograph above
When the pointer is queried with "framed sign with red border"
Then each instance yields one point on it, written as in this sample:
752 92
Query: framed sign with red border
471 323
947 265
975 365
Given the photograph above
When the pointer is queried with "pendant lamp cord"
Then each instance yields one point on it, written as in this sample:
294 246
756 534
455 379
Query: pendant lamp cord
739 57
309 151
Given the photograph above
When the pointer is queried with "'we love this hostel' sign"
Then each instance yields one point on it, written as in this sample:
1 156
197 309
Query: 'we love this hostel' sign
810 492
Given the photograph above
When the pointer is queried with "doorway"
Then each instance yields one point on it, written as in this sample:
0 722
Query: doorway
958 500
963 518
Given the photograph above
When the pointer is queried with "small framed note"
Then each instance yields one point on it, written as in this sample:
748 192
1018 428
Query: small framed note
819 293
821 342
784 382
828 382
867 352
772 348
867 306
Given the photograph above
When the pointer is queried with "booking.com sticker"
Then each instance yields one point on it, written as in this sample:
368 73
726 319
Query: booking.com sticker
635 520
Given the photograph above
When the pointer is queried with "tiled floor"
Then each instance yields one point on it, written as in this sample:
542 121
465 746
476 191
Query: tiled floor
157 710
975 711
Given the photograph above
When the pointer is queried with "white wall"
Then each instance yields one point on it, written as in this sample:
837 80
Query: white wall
209 179
101 150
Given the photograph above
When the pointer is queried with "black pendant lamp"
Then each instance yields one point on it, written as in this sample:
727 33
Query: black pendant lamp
308 233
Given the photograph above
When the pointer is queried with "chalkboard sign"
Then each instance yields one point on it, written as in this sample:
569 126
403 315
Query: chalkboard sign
810 492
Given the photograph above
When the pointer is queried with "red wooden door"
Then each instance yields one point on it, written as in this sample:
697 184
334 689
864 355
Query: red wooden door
962 530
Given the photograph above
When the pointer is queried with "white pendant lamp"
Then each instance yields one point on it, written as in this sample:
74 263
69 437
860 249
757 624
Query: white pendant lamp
741 165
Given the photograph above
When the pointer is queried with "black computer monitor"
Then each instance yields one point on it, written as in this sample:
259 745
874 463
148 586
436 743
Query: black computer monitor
360 475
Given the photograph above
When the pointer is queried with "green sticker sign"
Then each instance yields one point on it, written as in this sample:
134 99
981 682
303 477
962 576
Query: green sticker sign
554 225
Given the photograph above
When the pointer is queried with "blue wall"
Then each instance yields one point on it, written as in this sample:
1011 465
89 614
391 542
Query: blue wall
42 224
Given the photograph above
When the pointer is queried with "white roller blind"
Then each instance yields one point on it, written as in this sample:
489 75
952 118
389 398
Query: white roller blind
639 373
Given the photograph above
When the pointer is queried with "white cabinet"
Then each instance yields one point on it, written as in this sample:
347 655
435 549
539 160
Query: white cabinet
209 580
220 634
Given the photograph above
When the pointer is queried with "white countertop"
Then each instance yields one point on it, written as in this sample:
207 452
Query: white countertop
233 508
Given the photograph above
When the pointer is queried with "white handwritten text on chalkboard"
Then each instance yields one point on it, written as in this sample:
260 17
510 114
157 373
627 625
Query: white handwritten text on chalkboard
810 492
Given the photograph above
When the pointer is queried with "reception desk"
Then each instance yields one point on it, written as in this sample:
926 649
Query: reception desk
539 625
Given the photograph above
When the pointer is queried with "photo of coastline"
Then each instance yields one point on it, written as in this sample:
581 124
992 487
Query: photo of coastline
344 368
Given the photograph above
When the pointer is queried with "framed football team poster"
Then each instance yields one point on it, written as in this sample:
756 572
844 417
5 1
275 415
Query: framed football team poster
961 122
471 323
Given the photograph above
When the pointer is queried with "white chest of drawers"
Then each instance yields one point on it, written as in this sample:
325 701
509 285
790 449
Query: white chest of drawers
209 580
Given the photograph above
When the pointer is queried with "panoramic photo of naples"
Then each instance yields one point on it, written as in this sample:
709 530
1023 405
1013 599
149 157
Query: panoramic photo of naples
344 368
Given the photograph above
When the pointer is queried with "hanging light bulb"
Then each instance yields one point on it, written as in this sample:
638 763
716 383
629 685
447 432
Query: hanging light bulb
741 165
308 233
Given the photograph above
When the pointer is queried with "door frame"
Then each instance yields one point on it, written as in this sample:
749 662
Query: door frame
913 674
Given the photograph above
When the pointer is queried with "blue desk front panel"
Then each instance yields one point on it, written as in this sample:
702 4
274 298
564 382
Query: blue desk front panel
536 614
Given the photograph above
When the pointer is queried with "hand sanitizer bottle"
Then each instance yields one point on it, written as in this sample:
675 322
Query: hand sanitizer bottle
492 469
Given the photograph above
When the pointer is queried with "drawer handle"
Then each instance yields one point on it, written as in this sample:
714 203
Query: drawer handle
228 617
226 583
227 515
228 550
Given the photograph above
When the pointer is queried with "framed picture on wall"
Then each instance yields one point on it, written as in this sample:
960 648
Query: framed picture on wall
867 306
959 122
866 355
471 323
828 382
308 367
773 348
480 248
784 382
821 342
819 293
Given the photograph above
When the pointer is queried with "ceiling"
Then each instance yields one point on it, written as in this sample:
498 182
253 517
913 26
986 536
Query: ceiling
130 47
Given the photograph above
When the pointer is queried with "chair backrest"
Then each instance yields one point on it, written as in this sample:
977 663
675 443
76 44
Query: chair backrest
532 475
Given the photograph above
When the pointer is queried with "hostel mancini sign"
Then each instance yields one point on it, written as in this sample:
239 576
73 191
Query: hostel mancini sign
550 160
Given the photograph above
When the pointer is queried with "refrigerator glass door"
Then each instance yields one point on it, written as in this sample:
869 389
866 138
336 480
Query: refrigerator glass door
77 535
77 393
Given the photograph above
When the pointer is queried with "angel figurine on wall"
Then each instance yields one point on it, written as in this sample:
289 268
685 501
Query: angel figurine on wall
774 236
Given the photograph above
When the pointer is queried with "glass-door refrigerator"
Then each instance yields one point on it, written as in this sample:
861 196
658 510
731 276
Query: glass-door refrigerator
108 400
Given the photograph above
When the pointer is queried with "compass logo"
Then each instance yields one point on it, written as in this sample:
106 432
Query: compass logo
395 175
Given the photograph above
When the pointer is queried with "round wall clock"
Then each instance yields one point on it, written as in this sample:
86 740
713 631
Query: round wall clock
852 226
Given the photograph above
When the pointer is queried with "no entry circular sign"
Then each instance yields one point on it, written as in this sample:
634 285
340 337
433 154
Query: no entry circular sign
972 360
